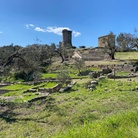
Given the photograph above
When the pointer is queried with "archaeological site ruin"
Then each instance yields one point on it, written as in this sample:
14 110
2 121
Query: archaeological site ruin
66 38
96 53
103 41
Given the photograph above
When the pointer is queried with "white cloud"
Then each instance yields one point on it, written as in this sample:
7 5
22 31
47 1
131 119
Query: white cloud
29 25
76 33
50 29
39 29
56 30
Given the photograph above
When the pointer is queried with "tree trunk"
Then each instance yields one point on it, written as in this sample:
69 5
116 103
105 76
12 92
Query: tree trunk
62 58
113 56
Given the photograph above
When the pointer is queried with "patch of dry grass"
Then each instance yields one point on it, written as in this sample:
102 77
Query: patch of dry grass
126 55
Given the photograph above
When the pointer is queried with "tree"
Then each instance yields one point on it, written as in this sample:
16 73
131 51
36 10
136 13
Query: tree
110 47
60 54
79 64
128 41
64 77
26 62
65 52
124 41
134 42
7 51
47 52
27 70
21 62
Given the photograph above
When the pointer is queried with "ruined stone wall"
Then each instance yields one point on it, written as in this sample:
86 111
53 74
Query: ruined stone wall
104 41
94 55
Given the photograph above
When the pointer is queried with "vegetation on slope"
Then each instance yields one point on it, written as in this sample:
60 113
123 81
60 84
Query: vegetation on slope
108 111
126 55
123 125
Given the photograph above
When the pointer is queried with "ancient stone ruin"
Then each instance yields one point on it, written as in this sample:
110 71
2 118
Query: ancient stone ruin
66 38
97 53
104 41
94 54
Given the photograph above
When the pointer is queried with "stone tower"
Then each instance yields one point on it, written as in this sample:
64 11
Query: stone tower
66 38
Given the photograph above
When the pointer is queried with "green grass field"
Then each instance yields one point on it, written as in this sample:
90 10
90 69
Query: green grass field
126 55
108 111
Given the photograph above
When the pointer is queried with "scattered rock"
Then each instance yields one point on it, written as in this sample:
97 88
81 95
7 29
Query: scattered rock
39 98
4 91
92 86
110 75
106 89
65 89
106 71
101 77
136 69
5 84
135 89
94 82
95 74
30 90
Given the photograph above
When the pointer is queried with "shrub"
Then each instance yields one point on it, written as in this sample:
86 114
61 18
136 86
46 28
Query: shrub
64 77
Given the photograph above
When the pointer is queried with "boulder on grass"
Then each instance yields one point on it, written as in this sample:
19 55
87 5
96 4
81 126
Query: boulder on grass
106 71
65 89
92 86
94 82
101 77
110 75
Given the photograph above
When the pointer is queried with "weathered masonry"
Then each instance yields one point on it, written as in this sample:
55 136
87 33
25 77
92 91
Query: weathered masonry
66 38
104 41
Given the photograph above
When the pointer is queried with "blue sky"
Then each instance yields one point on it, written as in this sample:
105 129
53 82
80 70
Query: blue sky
22 21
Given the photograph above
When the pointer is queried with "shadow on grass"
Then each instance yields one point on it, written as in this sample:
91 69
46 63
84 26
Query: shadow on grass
51 106
9 114
6 111
2 91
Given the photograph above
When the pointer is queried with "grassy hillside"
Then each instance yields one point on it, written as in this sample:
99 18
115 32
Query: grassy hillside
126 55
124 125
108 111
120 58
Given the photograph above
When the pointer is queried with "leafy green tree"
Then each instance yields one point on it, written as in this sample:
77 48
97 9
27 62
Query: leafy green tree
6 51
124 41
128 41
